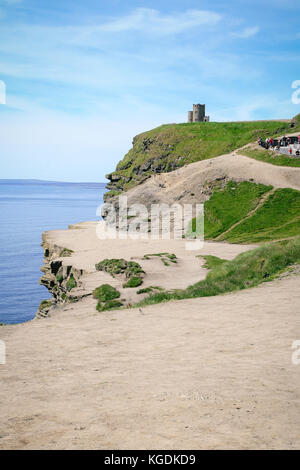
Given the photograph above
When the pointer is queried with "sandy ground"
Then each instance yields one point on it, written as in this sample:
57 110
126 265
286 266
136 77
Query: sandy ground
89 250
204 373
193 374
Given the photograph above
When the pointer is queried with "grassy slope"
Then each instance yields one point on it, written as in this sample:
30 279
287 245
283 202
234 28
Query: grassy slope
276 217
248 269
174 145
226 207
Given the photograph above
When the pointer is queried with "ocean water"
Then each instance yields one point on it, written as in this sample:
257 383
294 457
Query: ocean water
28 208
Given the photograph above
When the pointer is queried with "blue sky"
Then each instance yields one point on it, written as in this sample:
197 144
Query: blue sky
82 78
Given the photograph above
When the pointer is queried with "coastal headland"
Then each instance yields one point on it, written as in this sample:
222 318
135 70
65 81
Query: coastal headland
203 372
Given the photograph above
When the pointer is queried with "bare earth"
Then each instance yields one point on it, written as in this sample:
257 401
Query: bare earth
193 374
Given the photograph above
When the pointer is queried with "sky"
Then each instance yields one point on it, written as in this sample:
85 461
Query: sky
82 79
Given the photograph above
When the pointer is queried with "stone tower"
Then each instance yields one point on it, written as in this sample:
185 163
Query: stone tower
198 114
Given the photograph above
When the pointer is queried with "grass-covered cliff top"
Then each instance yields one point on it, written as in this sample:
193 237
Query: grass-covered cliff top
171 146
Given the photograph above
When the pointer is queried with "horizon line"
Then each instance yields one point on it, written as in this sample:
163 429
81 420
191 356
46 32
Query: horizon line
27 180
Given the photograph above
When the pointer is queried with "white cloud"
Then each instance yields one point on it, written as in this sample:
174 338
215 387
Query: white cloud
246 33
150 20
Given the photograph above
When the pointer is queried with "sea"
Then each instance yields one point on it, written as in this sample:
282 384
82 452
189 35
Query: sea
28 208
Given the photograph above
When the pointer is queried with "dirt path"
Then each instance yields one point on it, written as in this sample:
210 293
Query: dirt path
203 373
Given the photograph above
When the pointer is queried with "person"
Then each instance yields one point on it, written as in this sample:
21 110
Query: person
270 142
259 141
290 150
298 139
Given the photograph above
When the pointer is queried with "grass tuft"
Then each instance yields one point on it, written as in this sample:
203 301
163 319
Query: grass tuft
106 295
134 281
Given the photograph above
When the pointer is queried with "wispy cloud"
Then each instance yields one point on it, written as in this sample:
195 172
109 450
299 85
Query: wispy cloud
151 20
67 70
246 33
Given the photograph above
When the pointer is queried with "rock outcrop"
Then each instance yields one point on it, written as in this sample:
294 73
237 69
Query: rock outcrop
59 277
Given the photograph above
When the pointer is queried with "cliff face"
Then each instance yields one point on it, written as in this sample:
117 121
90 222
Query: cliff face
59 277
172 146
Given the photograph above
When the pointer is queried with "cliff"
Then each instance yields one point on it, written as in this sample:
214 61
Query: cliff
173 146
60 278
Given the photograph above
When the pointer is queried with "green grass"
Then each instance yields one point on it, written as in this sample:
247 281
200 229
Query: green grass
166 258
130 269
171 146
106 295
59 277
147 290
65 252
106 292
71 283
227 206
134 281
45 304
109 305
212 262
271 157
278 217
116 266
247 270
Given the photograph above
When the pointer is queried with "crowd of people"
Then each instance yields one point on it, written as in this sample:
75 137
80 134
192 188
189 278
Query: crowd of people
292 143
